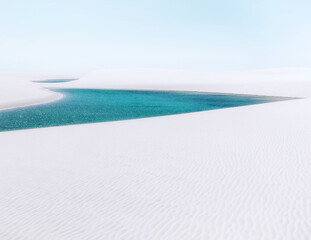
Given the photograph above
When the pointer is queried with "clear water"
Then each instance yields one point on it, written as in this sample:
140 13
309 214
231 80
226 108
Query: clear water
56 80
90 105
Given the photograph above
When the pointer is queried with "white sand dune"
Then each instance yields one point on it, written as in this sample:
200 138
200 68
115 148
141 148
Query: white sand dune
238 173
18 89
275 82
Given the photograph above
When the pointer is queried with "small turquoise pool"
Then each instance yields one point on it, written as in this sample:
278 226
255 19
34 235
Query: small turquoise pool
56 80
90 105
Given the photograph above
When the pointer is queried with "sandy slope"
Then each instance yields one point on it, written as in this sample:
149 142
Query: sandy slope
275 82
239 173
18 89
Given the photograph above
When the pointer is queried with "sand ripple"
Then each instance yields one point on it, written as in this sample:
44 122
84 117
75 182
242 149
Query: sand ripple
241 173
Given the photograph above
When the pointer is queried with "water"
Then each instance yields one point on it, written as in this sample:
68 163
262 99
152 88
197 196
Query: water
56 80
90 105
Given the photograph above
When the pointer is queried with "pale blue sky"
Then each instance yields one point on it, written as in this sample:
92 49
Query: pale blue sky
86 35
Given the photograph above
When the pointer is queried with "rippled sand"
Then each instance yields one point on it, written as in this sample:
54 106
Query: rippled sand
239 173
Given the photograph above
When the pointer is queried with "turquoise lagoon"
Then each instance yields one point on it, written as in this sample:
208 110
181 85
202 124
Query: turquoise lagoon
80 106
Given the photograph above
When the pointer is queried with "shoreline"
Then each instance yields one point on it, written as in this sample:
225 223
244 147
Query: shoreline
100 106
183 91
55 96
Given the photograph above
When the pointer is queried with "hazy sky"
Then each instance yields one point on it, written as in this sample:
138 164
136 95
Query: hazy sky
86 35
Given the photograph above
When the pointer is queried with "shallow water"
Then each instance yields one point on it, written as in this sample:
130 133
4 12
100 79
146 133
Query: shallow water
90 105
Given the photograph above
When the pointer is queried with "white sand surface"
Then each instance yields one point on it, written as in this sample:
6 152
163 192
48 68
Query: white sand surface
291 82
18 89
238 173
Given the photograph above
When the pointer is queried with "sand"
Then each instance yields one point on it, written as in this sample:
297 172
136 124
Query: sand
18 89
238 173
